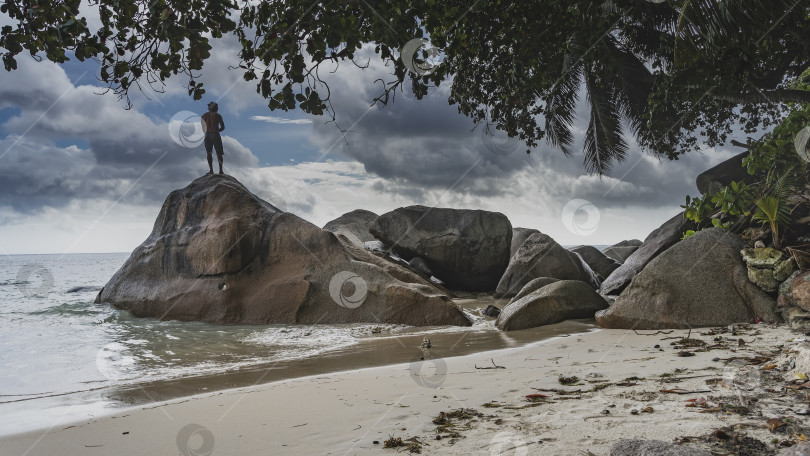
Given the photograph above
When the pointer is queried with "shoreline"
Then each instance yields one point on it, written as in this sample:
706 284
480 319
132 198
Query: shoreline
346 412
25 415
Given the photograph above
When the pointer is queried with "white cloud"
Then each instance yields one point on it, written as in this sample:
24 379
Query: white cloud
281 120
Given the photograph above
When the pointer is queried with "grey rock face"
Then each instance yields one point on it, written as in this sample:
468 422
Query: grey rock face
598 261
519 236
467 249
700 281
541 256
558 301
658 241
354 225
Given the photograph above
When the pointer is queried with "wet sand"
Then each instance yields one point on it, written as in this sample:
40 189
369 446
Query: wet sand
390 346
626 387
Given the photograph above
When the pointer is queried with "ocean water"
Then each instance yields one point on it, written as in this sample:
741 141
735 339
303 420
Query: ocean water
65 358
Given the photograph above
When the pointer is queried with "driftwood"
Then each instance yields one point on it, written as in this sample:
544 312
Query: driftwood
494 366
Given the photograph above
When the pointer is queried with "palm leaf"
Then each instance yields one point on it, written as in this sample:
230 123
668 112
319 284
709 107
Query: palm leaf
560 108
604 143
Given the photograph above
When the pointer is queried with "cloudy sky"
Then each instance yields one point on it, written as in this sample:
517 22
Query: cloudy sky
80 173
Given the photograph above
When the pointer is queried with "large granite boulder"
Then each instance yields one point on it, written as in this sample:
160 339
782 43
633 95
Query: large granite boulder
598 261
534 285
637 447
658 241
558 301
519 236
541 256
622 250
467 249
700 281
219 254
712 180
354 226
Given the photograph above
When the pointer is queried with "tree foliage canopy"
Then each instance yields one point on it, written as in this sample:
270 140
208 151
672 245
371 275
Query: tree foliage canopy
669 72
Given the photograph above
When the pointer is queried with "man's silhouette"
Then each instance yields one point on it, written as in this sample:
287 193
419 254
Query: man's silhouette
212 124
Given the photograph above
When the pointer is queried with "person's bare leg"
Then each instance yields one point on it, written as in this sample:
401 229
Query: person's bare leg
219 159
210 164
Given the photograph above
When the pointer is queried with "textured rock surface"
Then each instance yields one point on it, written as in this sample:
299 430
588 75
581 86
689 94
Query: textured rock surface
598 261
354 225
420 266
767 267
713 179
553 303
653 448
622 250
220 254
534 284
541 256
700 281
658 241
466 249
800 290
519 236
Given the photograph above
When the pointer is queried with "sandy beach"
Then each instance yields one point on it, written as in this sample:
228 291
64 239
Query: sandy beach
625 388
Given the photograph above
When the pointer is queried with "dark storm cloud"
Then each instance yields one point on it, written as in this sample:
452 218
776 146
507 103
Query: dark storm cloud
426 144
129 155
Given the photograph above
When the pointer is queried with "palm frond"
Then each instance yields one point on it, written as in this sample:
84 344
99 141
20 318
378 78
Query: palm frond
560 109
604 143
632 81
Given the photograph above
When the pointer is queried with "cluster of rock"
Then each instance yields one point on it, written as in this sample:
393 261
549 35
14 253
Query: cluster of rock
218 253
767 267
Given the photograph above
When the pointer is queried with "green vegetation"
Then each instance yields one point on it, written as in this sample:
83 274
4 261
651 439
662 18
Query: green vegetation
679 74
777 189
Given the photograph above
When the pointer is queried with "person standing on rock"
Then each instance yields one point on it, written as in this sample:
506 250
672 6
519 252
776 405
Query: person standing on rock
212 124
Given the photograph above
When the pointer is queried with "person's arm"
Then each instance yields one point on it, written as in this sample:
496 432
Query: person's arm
221 124
204 125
